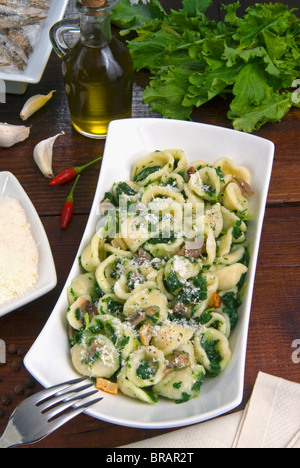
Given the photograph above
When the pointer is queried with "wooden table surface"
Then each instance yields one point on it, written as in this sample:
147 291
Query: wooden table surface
275 316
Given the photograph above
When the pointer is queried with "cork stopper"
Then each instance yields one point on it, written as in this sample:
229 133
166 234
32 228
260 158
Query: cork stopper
94 3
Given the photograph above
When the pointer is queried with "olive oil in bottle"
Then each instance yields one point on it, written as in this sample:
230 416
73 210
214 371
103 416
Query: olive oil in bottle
98 72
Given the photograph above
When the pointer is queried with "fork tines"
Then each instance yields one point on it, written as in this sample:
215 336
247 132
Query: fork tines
44 412
63 396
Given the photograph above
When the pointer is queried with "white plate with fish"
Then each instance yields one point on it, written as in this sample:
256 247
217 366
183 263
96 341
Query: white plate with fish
49 359
13 194
25 45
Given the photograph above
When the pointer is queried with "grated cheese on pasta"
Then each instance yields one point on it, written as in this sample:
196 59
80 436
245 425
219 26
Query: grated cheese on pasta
165 302
18 251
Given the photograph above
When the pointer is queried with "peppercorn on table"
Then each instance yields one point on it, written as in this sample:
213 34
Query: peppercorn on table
274 333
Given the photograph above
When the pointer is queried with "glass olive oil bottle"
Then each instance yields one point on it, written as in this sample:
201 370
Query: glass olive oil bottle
97 70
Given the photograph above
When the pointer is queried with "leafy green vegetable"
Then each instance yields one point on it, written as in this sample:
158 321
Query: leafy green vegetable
237 231
193 291
252 60
124 188
173 282
131 17
163 238
144 370
232 304
145 173
210 346
185 397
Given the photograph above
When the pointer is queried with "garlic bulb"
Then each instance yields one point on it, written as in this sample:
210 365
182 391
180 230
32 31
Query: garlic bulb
12 134
43 155
34 104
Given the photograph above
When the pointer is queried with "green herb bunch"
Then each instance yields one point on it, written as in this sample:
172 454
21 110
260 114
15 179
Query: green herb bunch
253 60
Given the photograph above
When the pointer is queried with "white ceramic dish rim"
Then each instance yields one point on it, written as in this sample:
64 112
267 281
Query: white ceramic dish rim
143 136
11 187
40 56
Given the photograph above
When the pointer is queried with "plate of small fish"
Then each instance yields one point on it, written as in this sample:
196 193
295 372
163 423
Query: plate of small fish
25 46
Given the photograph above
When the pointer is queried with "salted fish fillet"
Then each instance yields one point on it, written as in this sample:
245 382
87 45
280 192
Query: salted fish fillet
12 18
19 23
17 37
4 60
16 21
12 53
40 4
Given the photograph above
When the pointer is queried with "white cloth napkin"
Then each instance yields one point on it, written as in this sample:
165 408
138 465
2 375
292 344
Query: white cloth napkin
271 419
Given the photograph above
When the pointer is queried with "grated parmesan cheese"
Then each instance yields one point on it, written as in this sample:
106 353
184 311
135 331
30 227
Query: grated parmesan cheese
18 251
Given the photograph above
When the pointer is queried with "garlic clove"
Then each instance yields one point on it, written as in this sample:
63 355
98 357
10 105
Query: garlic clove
12 134
34 104
43 155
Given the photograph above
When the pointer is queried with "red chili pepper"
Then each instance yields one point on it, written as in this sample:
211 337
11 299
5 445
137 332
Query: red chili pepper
70 174
68 208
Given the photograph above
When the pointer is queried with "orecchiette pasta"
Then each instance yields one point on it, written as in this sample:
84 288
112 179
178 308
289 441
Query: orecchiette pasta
146 366
212 349
95 356
163 277
182 384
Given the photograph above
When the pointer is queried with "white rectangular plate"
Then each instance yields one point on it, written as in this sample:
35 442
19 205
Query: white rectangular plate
48 360
40 56
47 280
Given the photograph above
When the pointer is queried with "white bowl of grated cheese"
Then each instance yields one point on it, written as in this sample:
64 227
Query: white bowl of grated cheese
27 269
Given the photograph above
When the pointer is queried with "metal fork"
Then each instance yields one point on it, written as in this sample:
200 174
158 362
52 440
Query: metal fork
38 415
